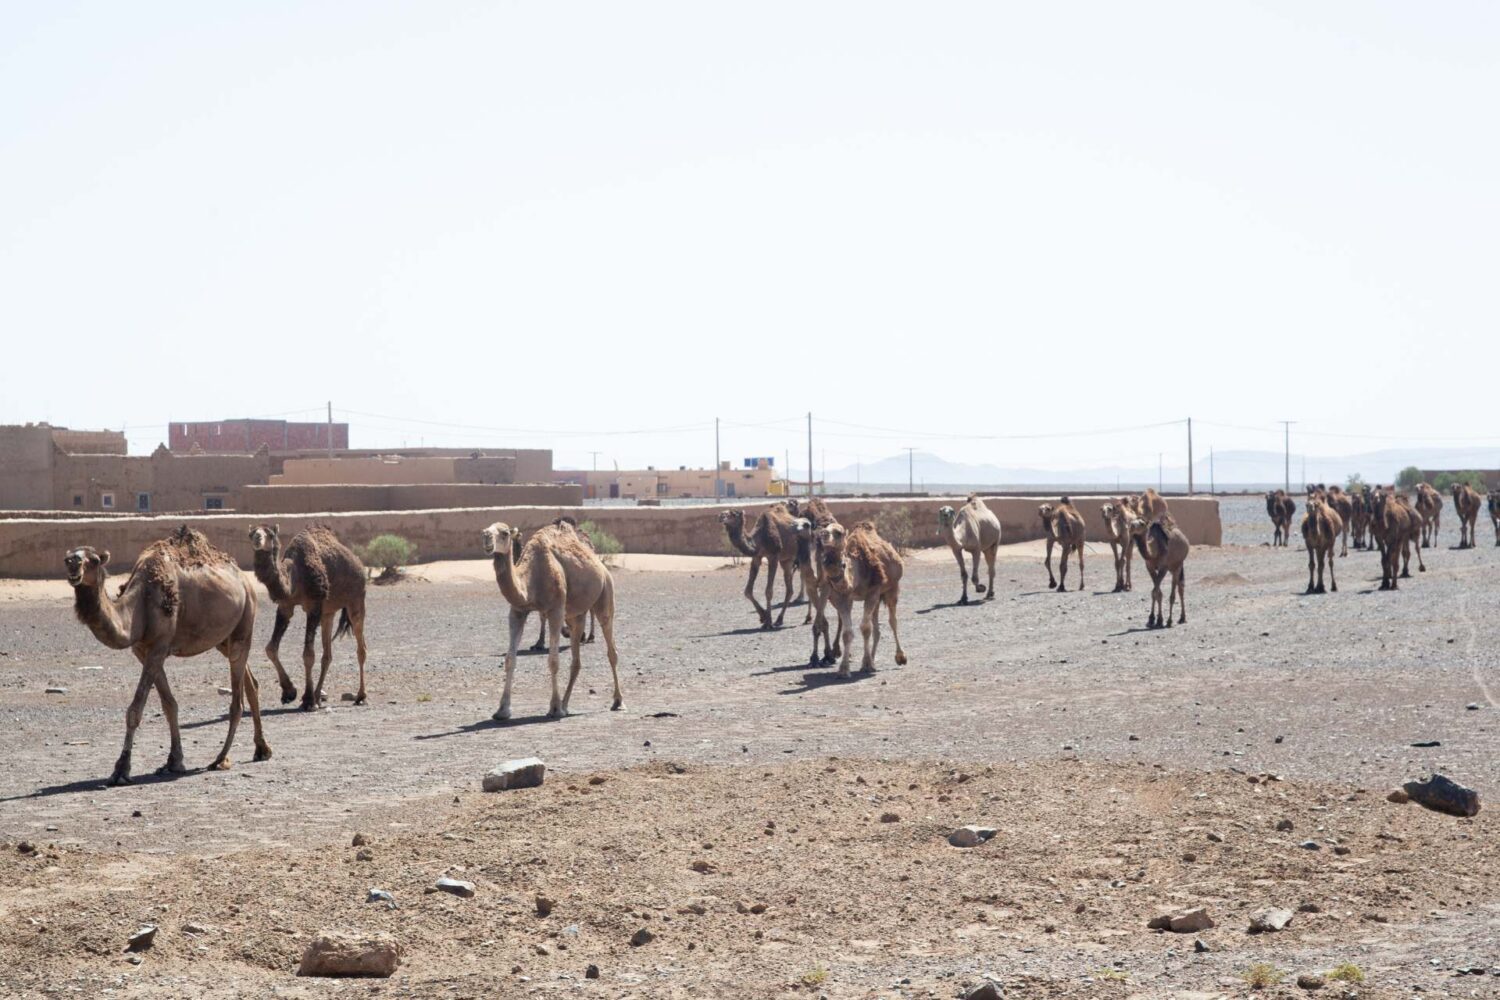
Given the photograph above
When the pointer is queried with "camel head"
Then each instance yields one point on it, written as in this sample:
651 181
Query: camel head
1108 510
734 517
802 527
1045 510
946 515
793 507
86 566
830 539
265 537
498 538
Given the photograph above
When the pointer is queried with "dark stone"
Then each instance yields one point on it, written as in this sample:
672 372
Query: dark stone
1444 795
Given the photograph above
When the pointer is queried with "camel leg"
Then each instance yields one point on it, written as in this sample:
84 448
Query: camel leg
1180 578
989 562
845 606
590 637
1345 552
540 646
974 576
1080 565
764 613
575 641
786 591
1310 589
1421 566
869 629
1325 558
554 640
174 764
963 575
890 609
121 775
1047 561
237 695
1333 583
517 626
327 628
273 653
309 693
1129 556
607 623
357 620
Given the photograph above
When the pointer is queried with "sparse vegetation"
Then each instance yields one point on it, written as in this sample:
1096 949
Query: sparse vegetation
1347 972
423 698
816 976
1408 477
1355 483
388 553
1111 975
1263 974
607 545
1444 481
894 525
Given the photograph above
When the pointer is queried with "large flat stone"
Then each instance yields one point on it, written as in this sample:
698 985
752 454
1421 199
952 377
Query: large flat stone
528 772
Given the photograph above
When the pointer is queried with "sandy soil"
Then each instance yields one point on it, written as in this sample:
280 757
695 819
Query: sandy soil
1103 753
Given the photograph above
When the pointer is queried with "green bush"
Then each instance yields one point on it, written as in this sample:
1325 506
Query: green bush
1408 477
605 544
388 553
1355 483
1443 481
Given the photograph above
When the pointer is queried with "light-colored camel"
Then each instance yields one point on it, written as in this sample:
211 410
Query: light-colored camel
1466 504
1429 505
1064 527
814 514
322 576
859 564
1494 504
1321 526
183 597
540 646
1116 516
1281 508
974 529
1398 530
773 539
1164 549
562 579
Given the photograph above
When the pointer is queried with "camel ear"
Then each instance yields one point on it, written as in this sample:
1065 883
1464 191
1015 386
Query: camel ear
104 558
276 530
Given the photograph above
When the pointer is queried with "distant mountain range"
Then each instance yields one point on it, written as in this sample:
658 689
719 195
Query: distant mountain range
1256 469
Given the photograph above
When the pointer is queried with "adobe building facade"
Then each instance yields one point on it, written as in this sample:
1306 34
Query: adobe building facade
664 483
245 437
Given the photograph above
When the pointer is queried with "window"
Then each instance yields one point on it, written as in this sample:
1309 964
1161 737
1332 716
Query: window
107 501
661 488
213 503
77 499
143 501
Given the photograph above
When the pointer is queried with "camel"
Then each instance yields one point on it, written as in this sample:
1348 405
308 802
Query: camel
1116 515
540 646
1321 526
320 575
1359 516
975 529
1494 502
814 515
1151 505
1466 505
774 539
1164 549
1398 528
559 577
1429 506
1281 508
1064 527
858 563
1341 504
183 597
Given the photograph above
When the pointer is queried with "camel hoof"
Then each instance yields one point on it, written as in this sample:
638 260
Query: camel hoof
501 714
990 596
979 587
617 706
288 695
308 705
964 599
172 767
828 660
900 660
868 669
1334 588
360 698
117 779
219 764
262 752
1420 569
557 713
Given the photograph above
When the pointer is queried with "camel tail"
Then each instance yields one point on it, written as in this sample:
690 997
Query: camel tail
344 625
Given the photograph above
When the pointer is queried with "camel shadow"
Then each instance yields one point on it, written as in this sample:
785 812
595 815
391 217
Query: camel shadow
952 604
815 679
755 630
102 784
793 668
487 724
245 717
1134 630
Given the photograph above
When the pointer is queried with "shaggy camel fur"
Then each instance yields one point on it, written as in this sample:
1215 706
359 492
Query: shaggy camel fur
773 539
540 646
858 563
1398 528
816 515
322 576
1281 508
974 529
1064 527
1466 503
1494 503
183 597
1321 525
559 577
1429 504
1164 549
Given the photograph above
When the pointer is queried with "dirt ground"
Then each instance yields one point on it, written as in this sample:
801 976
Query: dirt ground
1105 756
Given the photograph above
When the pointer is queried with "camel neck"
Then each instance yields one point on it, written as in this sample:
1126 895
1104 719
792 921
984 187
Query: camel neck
94 608
737 537
270 571
505 576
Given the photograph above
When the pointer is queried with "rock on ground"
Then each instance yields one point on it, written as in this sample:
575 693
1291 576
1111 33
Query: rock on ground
455 887
1268 920
971 836
1182 921
1443 795
528 772
335 953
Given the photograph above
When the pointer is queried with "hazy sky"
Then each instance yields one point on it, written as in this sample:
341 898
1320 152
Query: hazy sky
558 224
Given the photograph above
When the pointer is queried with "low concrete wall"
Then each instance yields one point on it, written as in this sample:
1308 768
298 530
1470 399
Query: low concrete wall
35 547
312 499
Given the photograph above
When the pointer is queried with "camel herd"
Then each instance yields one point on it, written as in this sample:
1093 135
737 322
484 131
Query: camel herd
1382 519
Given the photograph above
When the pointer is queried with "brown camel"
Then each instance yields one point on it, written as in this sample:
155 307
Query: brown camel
1398 529
1116 516
1466 504
1281 508
814 514
322 576
562 579
1361 505
858 563
1321 526
1429 504
183 597
1494 503
974 529
1150 505
774 539
1064 527
540 646
1341 504
1164 549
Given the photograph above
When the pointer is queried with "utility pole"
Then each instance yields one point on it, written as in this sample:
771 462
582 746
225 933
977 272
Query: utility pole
1211 489
718 482
809 453
595 456
1158 473
823 468
1287 453
910 480
330 428
1190 456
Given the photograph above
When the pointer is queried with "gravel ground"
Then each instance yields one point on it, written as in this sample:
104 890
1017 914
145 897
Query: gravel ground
1329 692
